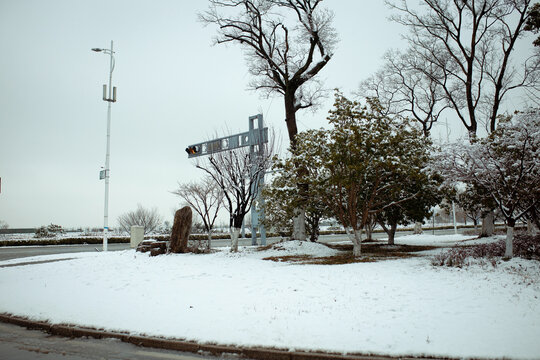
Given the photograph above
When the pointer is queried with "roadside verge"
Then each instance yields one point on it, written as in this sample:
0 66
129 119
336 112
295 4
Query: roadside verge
259 353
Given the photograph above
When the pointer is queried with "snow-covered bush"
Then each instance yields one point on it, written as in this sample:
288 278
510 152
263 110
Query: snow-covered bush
525 246
455 257
49 231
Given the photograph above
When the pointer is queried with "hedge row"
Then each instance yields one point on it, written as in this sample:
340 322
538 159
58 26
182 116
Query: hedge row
126 239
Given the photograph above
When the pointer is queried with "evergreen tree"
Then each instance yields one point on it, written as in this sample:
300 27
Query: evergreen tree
366 164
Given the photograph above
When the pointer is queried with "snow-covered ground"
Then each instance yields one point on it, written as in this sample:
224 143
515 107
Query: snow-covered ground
394 307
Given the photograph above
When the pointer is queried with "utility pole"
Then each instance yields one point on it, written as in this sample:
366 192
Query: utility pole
105 173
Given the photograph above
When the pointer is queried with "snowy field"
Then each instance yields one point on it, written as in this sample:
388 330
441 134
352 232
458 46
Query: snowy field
392 307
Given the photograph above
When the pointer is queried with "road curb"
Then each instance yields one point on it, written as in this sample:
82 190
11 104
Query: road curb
260 353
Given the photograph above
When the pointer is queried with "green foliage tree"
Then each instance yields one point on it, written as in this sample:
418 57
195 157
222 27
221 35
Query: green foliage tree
411 182
423 192
282 198
358 166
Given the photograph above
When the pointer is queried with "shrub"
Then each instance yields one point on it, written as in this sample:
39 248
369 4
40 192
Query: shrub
42 232
55 229
49 231
525 246
455 257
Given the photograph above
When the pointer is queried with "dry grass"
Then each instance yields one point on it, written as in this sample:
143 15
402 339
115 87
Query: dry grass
371 252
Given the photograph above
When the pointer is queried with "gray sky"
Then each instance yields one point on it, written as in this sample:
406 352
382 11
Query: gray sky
174 89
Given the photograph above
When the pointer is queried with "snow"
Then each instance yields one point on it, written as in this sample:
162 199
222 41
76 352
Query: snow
430 240
392 307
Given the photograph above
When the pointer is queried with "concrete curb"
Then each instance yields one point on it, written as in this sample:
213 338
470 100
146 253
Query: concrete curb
260 353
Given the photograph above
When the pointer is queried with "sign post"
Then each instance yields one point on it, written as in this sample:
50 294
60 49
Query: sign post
253 138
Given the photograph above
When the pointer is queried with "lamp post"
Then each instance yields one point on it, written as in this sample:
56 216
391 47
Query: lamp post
110 98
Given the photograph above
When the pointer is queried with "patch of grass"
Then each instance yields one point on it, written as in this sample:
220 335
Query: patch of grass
289 258
341 259
382 249
371 252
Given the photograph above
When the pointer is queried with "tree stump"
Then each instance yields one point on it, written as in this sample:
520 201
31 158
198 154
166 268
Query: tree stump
180 231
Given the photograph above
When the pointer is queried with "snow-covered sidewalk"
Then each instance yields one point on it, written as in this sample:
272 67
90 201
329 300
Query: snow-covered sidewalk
394 307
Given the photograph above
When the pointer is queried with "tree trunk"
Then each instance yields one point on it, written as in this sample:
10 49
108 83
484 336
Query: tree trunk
299 220
488 227
369 230
509 251
234 239
209 245
357 243
299 225
392 233
313 222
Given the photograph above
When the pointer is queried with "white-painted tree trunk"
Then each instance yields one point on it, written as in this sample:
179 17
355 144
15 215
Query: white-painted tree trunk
234 239
209 240
417 228
299 225
357 243
509 251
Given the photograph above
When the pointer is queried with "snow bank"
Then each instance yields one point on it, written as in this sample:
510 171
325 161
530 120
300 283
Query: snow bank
432 240
292 248
394 307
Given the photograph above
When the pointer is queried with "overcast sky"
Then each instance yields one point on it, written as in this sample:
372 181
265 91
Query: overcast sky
174 89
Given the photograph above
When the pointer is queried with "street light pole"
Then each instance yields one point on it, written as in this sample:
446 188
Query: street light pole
105 174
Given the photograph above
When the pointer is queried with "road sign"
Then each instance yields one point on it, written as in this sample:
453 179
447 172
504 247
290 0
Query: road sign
251 138
248 138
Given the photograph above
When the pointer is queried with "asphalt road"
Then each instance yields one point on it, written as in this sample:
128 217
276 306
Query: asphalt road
18 343
15 252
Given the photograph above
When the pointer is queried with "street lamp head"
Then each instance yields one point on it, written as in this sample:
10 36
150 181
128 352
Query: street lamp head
97 49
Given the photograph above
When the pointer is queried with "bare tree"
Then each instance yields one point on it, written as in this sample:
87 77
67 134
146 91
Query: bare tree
3 224
206 198
470 45
286 43
404 90
237 173
149 219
